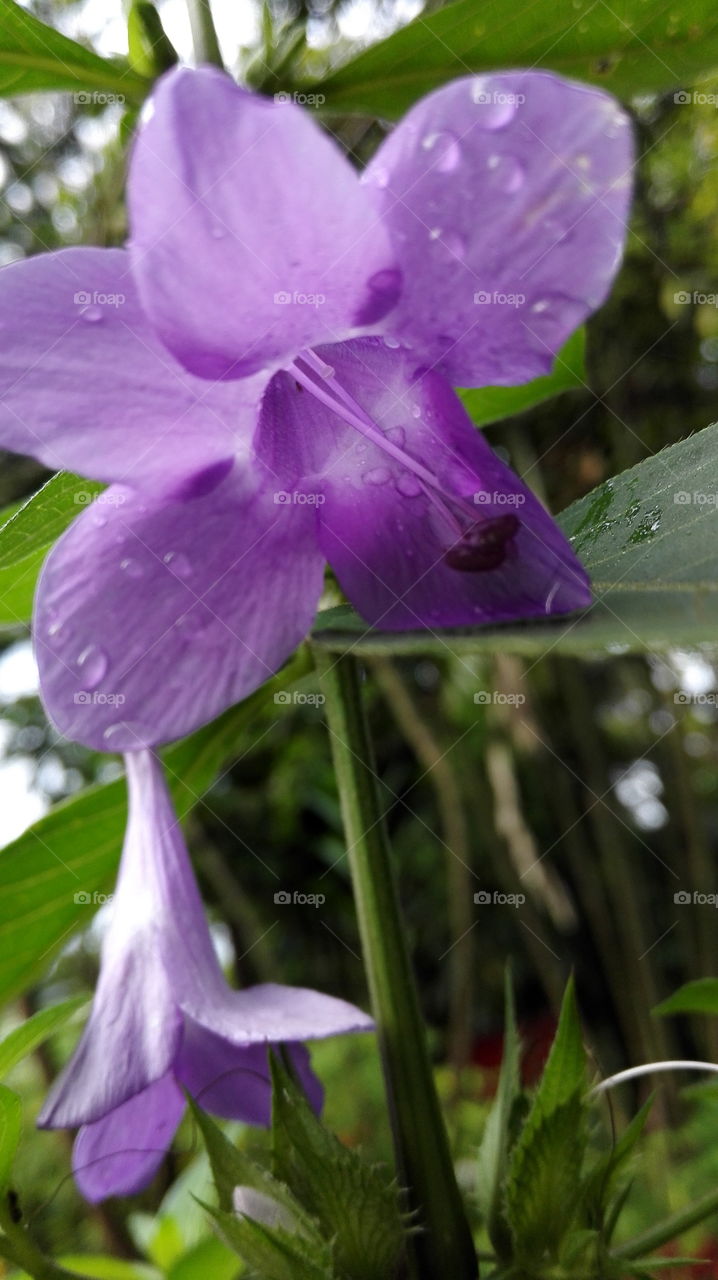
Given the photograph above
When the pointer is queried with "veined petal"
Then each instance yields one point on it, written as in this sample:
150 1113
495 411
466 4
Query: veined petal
507 199
85 384
233 1080
280 247
156 613
389 527
120 1154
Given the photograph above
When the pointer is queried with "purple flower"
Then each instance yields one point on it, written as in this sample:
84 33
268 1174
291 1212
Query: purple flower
265 376
163 1015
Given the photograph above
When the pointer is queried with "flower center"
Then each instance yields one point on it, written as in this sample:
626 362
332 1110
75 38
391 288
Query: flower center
479 544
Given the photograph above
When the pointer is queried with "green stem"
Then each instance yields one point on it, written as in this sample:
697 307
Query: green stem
17 1247
204 34
669 1229
443 1246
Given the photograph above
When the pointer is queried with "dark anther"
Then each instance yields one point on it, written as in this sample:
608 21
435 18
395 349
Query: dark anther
484 546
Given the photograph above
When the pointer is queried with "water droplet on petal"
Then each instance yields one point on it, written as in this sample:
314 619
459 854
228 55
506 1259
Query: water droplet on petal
416 411
397 435
507 173
131 568
377 476
392 343
496 108
379 176
91 314
92 665
445 150
435 233
179 564
408 485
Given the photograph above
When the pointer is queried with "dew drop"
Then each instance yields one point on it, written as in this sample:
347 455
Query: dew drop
435 233
131 568
91 314
379 176
179 564
445 150
496 108
377 476
397 435
416 411
392 343
92 665
408 485
507 173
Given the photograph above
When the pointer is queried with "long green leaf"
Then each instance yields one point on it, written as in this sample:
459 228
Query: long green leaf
699 996
629 46
34 56
38 522
25 1038
490 404
10 1129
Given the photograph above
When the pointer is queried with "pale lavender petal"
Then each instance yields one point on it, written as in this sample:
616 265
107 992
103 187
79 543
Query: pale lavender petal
121 1153
279 246
507 198
233 1080
154 614
387 527
86 385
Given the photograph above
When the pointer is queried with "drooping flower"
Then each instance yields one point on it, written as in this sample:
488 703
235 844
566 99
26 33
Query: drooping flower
265 374
163 1015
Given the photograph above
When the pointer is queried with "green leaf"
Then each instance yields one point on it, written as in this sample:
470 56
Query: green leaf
276 1254
652 557
99 1267
493 1152
26 1038
10 1129
630 47
51 876
356 1203
699 996
209 1257
490 404
33 56
17 590
41 520
150 50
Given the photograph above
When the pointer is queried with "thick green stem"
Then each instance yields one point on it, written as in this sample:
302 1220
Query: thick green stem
669 1229
204 35
443 1245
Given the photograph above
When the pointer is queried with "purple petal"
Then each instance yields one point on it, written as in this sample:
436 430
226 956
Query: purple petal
233 1080
280 247
268 1013
387 526
155 614
507 198
120 1154
85 384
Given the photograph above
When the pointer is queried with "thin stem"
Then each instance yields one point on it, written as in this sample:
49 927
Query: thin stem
443 1246
669 1229
204 34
